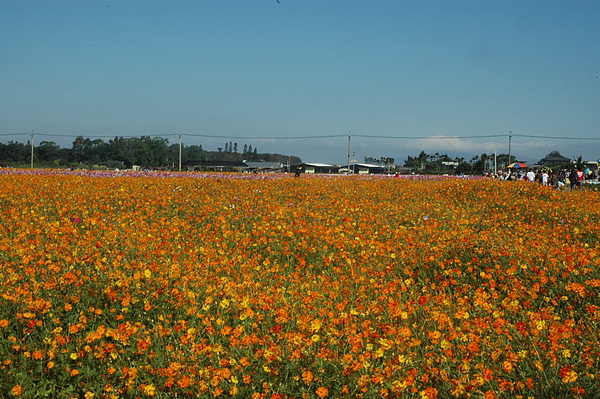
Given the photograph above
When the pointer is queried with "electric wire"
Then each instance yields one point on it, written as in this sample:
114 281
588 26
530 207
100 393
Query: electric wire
305 137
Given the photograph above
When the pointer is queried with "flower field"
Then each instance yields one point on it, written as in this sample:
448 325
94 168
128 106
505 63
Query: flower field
122 286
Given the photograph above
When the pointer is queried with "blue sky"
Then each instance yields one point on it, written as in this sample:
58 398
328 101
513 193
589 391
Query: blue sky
462 74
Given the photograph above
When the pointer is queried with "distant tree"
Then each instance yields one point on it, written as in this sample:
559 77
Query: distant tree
173 154
14 152
86 150
479 163
503 161
422 159
193 153
411 162
235 148
463 168
156 151
48 151
245 150
122 149
579 164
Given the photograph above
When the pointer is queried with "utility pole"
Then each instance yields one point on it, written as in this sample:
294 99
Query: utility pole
509 138
495 162
349 135
32 149
180 150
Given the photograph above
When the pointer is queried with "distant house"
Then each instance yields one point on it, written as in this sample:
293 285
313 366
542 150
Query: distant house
593 165
367 169
553 159
261 167
234 166
217 166
314 167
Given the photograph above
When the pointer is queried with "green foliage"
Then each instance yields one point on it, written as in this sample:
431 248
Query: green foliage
442 164
123 153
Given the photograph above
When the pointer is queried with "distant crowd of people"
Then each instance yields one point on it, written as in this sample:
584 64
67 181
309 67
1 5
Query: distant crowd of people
564 178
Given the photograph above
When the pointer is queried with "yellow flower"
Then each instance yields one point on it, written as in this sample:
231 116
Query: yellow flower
540 325
315 325
570 376
149 390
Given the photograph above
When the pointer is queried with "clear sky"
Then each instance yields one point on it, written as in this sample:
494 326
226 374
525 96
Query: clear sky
462 73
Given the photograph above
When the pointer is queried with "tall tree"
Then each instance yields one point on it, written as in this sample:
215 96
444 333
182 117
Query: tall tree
422 159
48 151
14 152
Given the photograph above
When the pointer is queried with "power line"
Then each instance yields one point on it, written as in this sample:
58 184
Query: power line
266 137
428 137
557 138
14 134
91 135
305 137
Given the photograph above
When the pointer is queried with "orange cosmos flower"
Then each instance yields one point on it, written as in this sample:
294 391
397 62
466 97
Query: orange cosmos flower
307 376
322 392
184 382
17 390
490 395
507 366
429 393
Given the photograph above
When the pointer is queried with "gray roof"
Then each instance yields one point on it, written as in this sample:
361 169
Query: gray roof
264 165
319 165
555 159
369 165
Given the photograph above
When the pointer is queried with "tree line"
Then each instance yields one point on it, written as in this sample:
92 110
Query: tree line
124 152
442 163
